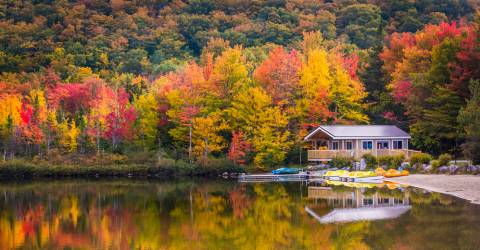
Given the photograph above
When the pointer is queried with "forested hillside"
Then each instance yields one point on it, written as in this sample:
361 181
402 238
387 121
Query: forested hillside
234 78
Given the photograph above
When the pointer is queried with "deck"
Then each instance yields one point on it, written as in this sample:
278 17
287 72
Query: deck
327 155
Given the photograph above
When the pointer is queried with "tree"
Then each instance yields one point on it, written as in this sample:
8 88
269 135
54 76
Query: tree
146 107
239 148
229 73
120 120
206 138
279 75
469 119
68 138
262 123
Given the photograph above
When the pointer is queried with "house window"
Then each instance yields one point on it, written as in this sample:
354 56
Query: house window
367 145
334 145
382 145
348 145
397 144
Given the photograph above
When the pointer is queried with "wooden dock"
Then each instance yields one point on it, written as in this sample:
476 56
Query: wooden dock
303 176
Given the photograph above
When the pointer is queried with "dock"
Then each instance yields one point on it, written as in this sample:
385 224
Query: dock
272 177
302 176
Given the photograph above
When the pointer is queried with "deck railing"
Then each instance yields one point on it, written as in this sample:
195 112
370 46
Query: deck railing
321 155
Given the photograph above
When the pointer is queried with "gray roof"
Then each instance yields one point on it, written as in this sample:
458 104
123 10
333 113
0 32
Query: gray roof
360 132
360 214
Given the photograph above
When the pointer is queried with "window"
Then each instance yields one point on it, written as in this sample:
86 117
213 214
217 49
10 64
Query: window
334 145
367 145
348 145
397 144
382 145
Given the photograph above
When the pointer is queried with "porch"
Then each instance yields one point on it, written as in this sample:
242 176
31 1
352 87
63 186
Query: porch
327 155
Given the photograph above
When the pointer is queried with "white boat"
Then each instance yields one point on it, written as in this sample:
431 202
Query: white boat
367 179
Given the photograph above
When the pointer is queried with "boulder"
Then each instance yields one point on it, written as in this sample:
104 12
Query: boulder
405 165
453 169
472 169
443 169
427 168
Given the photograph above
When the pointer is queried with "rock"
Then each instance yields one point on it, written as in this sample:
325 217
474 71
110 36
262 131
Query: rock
427 168
472 169
405 165
453 169
443 169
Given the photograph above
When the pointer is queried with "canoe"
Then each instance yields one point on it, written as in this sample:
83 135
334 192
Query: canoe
286 171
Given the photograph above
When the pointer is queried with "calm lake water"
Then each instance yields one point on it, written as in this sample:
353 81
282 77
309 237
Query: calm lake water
225 214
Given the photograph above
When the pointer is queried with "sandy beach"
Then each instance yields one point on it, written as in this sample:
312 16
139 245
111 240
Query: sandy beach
463 186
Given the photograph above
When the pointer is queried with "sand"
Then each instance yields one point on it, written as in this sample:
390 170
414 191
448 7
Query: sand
464 186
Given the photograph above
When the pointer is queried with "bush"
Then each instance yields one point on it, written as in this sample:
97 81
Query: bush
435 164
385 161
444 159
341 162
370 160
420 158
391 161
397 160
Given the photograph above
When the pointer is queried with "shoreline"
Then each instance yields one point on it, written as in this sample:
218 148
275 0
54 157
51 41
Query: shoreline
466 187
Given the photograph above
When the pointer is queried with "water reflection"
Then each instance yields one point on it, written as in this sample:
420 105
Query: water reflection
227 215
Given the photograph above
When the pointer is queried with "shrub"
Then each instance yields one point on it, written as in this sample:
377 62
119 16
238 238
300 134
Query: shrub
444 159
397 160
435 164
391 161
385 160
370 160
341 162
420 158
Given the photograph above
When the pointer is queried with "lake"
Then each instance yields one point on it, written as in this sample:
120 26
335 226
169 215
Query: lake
226 214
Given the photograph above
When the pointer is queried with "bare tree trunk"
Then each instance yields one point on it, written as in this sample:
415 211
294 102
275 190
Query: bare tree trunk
190 144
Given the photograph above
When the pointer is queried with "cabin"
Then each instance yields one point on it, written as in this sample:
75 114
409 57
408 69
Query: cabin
330 141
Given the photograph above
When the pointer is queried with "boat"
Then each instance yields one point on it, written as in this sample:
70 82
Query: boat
395 173
335 175
286 171
364 176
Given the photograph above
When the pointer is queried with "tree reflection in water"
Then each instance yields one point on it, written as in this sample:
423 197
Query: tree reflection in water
219 215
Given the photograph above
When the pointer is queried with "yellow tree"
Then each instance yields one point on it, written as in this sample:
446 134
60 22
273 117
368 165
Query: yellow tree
146 106
68 135
346 94
9 118
252 112
229 73
315 81
206 138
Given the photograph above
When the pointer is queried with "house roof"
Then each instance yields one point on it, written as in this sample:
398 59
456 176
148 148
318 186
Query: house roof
360 132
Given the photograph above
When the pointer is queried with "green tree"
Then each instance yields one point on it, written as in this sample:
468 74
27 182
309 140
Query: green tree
469 119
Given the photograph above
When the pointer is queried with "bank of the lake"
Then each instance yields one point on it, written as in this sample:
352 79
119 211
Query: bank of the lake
463 186
24 169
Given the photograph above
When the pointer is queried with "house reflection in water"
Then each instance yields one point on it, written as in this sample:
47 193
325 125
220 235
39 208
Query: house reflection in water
348 206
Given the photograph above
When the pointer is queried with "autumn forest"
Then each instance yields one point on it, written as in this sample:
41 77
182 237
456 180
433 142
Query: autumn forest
239 79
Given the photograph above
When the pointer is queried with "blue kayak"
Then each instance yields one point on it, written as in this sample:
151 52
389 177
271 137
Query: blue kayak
286 171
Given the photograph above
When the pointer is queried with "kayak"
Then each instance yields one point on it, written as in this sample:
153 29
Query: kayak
335 175
395 173
286 171
380 171
364 176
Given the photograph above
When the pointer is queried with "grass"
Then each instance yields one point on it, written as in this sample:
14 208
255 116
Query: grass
17 169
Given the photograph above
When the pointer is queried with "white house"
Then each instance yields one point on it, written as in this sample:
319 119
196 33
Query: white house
329 141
